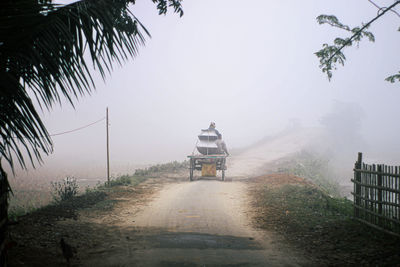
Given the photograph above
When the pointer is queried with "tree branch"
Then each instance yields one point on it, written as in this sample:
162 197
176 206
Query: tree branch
348 41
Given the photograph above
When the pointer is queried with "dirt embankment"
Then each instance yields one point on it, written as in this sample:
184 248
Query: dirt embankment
35 238
321 226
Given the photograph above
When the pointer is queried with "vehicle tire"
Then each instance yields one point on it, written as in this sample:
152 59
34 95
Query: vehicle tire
223 168
191 169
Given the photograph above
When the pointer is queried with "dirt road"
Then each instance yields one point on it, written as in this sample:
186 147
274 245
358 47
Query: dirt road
200 223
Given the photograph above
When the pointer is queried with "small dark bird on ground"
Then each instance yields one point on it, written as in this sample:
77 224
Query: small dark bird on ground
67 250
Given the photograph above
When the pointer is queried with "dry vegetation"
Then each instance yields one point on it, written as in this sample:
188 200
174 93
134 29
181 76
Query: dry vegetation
35 236
31 194
321 225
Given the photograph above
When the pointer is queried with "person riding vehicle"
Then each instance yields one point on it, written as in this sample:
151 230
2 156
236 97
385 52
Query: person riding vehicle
222 149
212 128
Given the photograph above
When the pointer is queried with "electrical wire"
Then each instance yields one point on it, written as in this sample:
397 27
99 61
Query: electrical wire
80 128
382 8
74 130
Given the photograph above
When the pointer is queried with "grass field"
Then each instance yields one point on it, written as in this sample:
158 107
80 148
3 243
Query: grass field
31 193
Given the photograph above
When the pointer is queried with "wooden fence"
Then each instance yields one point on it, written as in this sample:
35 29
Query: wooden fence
377 195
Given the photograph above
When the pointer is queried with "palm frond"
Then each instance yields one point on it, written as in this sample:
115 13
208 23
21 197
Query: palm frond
42 48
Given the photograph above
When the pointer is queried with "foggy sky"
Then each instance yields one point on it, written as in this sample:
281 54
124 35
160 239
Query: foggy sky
247 65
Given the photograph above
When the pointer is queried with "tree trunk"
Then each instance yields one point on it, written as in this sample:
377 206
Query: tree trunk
4 191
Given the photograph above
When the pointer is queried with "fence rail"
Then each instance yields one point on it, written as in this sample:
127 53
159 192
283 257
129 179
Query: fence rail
377 195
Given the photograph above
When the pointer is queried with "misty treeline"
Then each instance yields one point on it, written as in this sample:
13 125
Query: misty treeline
328 160
342 137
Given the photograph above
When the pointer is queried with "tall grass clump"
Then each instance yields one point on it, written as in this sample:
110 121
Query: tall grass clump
315 169
65 189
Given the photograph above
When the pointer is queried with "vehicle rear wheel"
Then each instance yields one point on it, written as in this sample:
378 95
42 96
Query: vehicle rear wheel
223 168
191 168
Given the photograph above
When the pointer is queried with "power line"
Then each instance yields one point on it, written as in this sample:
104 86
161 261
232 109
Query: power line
382 8
74 130
80 128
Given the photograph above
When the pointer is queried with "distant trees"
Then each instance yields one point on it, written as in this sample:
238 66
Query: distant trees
343 125
331 55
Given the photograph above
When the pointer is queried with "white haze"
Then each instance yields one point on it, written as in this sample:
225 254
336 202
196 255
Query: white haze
250 67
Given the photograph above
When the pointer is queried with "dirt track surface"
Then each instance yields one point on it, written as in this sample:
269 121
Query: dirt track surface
200 223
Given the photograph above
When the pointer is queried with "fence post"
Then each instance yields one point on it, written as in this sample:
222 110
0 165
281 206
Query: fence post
108 150
357 178
380 221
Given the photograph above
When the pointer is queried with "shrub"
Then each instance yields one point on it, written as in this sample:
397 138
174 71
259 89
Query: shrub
174 166
126 179
65 189
122 180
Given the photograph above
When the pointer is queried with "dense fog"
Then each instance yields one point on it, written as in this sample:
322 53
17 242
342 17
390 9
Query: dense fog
248 66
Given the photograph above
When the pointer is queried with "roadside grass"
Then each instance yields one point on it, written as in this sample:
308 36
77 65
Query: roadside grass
24 201
170 167
64 197
321 225
315 169
19 210
306 206
66 207
125 180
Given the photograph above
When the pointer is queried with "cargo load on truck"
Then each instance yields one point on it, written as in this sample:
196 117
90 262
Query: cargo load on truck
212 157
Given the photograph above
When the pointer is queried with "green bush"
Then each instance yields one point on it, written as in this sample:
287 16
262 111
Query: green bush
65 189
174 166
126 179
122 180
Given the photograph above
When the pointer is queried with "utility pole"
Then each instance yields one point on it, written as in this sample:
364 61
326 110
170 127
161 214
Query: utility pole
108 150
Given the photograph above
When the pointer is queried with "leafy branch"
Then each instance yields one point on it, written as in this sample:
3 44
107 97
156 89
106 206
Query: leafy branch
393 78
162 6
330 55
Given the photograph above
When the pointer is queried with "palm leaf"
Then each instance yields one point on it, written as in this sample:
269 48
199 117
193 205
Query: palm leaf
42 49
